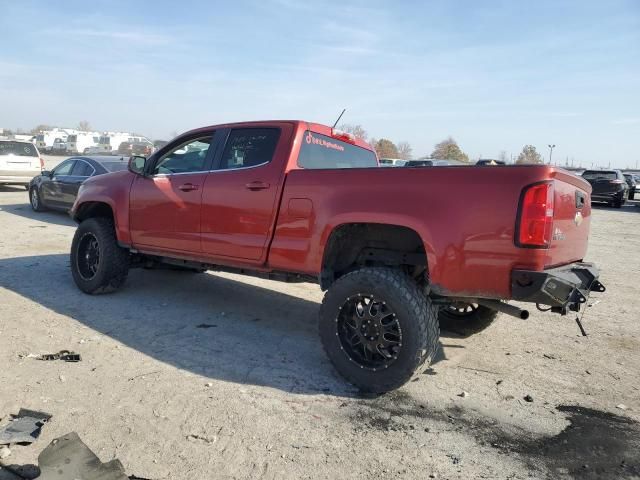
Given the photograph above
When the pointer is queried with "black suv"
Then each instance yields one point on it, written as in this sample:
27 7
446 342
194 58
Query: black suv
608 186
634 182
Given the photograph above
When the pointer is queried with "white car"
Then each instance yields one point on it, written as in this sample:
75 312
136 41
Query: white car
19 162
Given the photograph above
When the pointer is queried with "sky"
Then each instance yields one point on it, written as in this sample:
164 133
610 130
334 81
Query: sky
494 75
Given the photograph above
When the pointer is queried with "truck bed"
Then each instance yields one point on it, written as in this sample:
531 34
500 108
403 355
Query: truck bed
465 216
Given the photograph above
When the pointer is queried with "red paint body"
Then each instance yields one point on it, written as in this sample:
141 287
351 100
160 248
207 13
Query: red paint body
465 216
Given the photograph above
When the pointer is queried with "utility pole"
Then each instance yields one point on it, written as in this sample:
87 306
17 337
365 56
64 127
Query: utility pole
551 147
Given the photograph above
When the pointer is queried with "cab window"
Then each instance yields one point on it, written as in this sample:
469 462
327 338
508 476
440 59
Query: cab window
188 157
249 147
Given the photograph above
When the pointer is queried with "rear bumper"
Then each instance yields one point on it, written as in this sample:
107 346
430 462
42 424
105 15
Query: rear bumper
563 288
19 177
608 196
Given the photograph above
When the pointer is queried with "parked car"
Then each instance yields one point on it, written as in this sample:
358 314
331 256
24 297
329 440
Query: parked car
59 147
633 181
418 163
490 161
608 186
140 147
392 162
57 189
299 201
19 162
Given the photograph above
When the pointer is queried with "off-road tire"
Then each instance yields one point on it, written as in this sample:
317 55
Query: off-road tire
632 195
468 323
618 203
113 266
36 204
417 316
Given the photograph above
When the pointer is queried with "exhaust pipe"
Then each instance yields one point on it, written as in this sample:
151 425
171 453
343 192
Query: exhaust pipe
504 308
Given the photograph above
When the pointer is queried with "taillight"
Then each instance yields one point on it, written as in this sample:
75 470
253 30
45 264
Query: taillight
344 136
536 216
41 163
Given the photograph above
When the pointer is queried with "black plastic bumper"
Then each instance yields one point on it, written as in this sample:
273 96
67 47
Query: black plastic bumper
562 289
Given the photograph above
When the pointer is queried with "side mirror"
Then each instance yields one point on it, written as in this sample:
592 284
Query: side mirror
137 164
46 173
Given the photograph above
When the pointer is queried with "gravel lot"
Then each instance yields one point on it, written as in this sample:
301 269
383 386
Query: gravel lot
219 376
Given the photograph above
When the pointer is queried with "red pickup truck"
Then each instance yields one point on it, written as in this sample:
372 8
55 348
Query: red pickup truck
396 250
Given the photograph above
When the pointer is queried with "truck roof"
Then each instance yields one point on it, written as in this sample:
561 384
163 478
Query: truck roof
314 127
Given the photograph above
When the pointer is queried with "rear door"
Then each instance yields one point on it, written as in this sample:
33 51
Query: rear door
71 184
165 206
240 197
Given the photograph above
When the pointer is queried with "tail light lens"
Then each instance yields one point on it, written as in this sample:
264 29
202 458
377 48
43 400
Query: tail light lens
344 136
41 163
536 216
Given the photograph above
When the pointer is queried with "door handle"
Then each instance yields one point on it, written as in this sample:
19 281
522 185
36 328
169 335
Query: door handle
188 187
255 186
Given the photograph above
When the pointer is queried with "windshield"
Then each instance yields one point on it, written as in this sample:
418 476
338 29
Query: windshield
319 151
72 138
599 175
19 149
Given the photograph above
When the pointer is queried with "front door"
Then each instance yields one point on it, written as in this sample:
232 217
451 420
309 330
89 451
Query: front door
52 191
240 196
165 205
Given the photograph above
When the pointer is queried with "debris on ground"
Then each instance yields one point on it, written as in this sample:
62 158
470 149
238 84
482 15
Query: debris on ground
68 458
621 406
206 325
4 452
24 427
463 394
528 398
64 355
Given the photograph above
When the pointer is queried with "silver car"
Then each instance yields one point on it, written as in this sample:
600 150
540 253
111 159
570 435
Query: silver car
19 162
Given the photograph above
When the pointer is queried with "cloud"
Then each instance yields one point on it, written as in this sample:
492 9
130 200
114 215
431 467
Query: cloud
139 38
626 121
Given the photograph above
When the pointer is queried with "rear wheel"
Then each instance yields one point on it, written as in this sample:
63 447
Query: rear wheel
632 194
98 264
35 200
618 203
466 318
378 328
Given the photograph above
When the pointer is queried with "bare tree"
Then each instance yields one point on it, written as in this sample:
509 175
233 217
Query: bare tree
84 126
503 156
405 152
356 130
386 149
448 149
39 128
529 154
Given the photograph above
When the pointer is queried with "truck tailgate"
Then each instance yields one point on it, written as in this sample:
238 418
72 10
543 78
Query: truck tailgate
572 214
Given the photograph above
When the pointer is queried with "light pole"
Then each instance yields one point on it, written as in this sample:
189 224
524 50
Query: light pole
551 147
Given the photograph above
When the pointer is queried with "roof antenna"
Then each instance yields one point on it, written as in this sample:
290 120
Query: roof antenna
343 110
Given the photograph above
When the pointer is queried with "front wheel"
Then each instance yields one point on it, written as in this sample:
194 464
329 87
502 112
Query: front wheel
35 200
98 264
632 194
378 328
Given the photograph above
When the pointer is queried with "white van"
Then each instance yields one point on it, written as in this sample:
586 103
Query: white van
81 142
46 140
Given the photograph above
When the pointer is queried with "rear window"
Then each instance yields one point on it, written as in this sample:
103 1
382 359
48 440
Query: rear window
249 147
105 140
72 138
114 166
19 149
597 175
319 151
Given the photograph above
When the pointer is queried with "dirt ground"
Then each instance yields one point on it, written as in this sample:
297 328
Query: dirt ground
187 376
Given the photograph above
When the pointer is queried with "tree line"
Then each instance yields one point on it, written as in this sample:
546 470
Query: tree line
447 149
